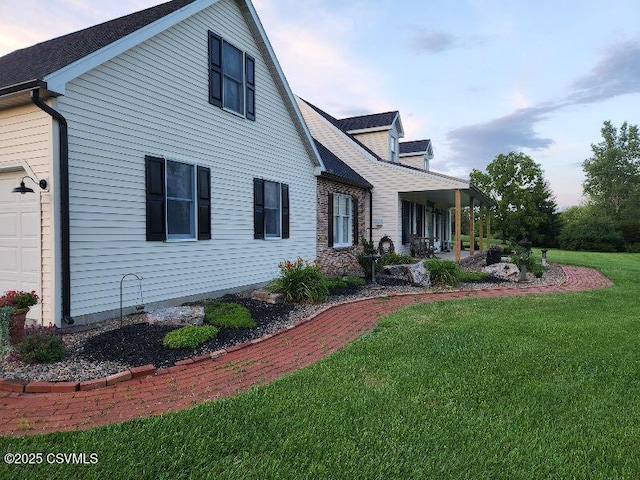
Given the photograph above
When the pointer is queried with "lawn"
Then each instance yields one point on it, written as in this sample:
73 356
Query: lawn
532 387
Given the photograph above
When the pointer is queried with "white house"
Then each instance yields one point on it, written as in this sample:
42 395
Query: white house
406 200
169 145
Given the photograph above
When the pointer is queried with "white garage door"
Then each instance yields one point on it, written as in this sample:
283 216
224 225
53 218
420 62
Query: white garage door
19 239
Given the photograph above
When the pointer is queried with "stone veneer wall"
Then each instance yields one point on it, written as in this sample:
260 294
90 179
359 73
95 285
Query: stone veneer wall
339 261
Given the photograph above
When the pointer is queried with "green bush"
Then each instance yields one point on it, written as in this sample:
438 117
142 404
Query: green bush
630 232
366 263
443 272
593 233
472 277
343 282
225 314
396 259
190 336
300 282
41 347
5 317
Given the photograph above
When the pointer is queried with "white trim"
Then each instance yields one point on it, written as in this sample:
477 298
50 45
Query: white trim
57 80
369 130
336 202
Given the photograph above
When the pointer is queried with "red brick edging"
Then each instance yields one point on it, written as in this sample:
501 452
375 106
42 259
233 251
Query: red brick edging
37 407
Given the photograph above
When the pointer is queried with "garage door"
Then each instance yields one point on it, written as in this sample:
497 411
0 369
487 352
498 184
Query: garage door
19 239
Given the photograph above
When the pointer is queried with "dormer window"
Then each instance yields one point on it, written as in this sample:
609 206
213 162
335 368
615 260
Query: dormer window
393 146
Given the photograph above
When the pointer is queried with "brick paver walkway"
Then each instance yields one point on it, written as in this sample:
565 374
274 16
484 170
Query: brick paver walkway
237 370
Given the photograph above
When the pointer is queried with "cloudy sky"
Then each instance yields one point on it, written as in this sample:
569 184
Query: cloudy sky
478 77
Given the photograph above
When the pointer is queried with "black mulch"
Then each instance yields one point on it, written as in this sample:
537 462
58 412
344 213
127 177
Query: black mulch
141 343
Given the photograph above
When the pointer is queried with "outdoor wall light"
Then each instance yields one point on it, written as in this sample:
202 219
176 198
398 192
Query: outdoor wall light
379 223
43 184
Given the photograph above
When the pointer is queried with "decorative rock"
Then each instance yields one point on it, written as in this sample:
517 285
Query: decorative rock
178 316
265 296
508 271
415 273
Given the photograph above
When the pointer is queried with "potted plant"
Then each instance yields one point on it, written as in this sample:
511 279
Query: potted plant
20 301
494 254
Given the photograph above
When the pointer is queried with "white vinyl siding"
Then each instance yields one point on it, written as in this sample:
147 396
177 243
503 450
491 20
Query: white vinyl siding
26 135
153 100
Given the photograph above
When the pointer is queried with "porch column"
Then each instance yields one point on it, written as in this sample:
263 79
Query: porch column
488 227
458 203
480 239
472 227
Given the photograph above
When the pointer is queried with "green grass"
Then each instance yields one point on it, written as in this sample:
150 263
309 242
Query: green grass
517 388
231 315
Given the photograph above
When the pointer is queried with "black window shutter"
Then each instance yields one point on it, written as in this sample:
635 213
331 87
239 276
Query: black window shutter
419 218
250 75
258 208
285 211
204 203
330 219
215 69
156 225
406 221
355 220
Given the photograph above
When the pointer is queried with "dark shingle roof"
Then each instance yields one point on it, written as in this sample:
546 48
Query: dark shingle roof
337 169
35 62
336 123
416 146
374 120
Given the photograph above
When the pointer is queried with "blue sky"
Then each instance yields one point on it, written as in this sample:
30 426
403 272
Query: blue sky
478 77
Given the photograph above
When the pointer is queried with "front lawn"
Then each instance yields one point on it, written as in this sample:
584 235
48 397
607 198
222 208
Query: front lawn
531 387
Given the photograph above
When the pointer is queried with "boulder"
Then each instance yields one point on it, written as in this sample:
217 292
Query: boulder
178 316
263 295
414 273
505 270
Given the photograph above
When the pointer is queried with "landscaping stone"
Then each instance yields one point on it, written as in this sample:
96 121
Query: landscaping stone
508 271
263 295
178 316
414 273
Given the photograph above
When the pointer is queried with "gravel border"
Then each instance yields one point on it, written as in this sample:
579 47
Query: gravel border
75 368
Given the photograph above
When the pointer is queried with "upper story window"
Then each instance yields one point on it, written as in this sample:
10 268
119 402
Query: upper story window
178 200
231 78
393 146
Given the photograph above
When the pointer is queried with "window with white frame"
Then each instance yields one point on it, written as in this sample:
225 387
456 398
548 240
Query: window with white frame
342 220
231 78
393 146
272 212
181 201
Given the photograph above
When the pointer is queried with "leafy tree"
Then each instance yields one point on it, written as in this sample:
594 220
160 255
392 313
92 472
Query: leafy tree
585 228
612 180
526 206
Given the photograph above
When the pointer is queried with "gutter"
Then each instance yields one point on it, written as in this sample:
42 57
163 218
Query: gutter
64 203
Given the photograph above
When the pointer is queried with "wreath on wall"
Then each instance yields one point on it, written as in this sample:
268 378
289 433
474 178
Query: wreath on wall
385 245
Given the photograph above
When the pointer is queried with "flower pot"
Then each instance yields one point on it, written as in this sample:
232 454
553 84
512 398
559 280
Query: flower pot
16 326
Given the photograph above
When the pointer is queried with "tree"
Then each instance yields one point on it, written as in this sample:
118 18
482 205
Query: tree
612 180
526 206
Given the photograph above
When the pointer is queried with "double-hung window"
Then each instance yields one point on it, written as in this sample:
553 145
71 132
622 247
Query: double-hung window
270 209
231 78
342 220
178 200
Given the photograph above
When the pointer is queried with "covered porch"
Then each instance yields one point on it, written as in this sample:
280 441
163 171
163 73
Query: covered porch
434 217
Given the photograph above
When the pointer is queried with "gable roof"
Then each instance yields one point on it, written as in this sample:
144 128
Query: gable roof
336 169
44 58
364 122
415 147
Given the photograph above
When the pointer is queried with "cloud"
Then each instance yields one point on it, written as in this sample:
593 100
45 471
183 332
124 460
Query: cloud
434 42
615 74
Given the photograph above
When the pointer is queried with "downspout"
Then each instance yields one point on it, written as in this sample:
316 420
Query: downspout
63 145
370 215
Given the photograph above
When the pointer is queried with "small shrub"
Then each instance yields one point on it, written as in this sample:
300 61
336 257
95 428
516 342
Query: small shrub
443 272
190 336
396 259
41 347
472 277
300 282
333 283
366 263
5 317
225 314
538 270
